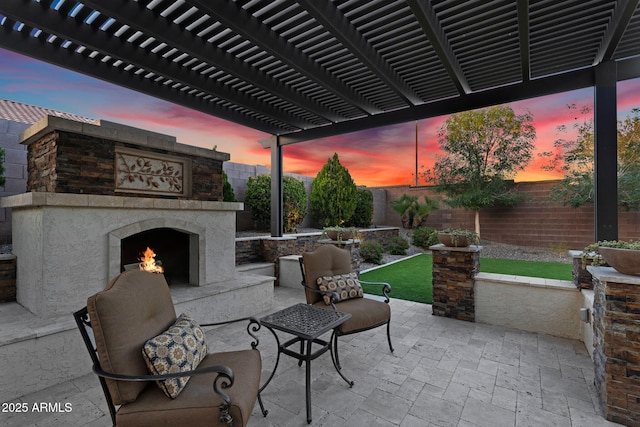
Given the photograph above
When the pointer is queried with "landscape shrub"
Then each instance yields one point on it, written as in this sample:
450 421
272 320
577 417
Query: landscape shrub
398 246
424 237
258 198
228 195
363 215
371 251
413 213
334 195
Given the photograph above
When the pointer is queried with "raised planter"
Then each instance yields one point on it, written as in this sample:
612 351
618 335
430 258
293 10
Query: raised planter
625 261
340 234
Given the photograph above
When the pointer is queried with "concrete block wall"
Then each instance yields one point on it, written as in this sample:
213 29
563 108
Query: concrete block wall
536 222
15 170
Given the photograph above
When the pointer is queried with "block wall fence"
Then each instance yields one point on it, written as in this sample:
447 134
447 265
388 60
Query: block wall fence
536 222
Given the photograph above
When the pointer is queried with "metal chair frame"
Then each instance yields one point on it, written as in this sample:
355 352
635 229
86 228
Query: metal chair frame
386 290
223 380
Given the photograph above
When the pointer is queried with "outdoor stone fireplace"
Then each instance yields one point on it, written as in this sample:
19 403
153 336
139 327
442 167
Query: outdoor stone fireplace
99 195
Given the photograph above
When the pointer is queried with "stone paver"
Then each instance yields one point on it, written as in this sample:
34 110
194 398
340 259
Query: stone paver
444 372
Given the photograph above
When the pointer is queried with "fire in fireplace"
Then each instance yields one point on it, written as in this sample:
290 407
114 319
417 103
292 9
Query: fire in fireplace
170 249
148 262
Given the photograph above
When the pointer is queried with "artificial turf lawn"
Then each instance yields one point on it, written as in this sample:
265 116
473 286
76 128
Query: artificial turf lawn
410 279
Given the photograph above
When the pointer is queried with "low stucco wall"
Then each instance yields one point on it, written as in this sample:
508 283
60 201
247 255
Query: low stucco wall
529 304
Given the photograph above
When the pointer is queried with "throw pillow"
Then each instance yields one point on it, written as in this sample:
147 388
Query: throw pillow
347 286
178 349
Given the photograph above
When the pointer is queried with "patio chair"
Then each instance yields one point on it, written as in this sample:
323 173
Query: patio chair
330 283
166 386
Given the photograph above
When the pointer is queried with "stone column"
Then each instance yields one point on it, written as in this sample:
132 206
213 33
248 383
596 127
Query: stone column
616 342
454 270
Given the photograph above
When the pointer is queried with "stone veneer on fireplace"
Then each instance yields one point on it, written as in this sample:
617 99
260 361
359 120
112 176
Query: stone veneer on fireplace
91 187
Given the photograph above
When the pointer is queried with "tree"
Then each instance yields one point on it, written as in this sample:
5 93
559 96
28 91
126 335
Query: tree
483 150
334 195
363 214
574 158
258 198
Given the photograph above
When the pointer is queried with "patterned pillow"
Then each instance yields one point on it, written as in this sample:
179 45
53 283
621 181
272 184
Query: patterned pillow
180 348
347 286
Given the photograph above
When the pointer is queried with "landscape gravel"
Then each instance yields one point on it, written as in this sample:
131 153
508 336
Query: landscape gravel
489 250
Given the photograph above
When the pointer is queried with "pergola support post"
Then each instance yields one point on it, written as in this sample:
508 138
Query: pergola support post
276 188
605 161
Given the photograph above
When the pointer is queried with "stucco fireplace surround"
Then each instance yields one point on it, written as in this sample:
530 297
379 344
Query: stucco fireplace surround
91 191
93 187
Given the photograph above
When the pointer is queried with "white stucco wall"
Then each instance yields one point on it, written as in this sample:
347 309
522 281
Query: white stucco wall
65 243
529 304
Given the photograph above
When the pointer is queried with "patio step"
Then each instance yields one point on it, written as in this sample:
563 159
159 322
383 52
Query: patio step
260 268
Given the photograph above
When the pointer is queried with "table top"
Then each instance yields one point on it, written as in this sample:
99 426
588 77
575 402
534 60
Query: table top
305 321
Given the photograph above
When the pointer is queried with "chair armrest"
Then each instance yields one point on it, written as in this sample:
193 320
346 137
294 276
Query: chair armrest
386 288
224 379
253 327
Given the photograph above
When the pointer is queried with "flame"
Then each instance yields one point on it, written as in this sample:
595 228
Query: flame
148 262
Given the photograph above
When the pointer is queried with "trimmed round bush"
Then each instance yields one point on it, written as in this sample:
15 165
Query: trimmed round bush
334 195
258 198
363 215
371 251
398 246
424 237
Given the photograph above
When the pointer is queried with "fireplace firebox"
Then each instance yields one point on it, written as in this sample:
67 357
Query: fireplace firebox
171 248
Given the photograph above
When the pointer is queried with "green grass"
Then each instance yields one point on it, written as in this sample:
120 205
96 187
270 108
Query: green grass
410 279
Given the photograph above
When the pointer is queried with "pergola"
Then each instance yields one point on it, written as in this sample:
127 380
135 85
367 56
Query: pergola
306 69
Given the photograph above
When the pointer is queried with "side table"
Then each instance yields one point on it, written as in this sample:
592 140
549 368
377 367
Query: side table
307 323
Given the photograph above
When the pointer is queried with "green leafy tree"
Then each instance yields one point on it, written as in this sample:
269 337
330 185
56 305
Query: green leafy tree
258 198
363 214
334 195
574 158
484 149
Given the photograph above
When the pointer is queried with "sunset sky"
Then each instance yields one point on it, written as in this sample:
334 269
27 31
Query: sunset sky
381 156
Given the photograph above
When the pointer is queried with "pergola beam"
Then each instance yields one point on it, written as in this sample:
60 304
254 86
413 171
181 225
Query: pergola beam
137 16
241 22
334 21
426 16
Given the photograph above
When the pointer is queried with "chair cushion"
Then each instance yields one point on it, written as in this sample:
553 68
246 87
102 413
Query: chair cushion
135 306
327 260
198 404
178 349
346 286
365 314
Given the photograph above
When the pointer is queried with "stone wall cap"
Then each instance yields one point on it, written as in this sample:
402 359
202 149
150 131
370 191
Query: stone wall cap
470 248
610 274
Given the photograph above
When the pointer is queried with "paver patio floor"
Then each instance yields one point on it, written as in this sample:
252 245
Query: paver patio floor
443 372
